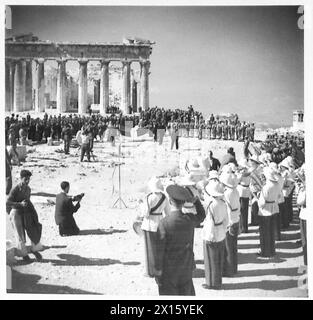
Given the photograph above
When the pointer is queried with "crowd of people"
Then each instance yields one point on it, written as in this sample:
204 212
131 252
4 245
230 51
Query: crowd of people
178 122
217 194
214 194
282 145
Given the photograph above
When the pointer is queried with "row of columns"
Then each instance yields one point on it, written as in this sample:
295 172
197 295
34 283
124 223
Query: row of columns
19 86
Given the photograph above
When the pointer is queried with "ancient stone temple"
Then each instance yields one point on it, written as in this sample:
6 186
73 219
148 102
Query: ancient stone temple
21 53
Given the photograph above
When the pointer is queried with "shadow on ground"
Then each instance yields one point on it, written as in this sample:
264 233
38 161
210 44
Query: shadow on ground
291 272
44 194
76 260
28 283
272 285
268 272
100 231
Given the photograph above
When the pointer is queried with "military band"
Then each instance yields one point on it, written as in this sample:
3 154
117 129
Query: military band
256 185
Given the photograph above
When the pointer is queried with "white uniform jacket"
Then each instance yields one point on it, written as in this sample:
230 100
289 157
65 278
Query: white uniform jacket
151 219
268 200
216 221
232 199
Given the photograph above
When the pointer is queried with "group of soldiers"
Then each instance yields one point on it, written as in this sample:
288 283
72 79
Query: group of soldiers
282 145
189 123
192 124
219 200
216 194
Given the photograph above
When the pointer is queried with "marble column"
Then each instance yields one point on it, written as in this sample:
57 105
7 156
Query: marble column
12 72
144 84
19 87
82 87
8 88
40 86
96 91
28 86
46 100
126 87
139 95
134 95
61 86
104 86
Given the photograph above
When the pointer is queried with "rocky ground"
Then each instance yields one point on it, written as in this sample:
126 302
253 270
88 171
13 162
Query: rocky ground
107 257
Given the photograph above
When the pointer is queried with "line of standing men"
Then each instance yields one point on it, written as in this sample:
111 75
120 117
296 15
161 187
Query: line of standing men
223 209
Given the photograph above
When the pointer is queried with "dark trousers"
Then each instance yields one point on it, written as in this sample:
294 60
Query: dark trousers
150 242
285 217
155 135
67 143
167 288
254 214
161 133
303 240
276 220
91 144
244 208
85 149
231 252
267 236
289 207
174 140
68 228
213 253
284 224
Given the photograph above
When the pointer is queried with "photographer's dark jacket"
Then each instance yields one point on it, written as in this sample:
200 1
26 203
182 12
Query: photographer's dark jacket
64 209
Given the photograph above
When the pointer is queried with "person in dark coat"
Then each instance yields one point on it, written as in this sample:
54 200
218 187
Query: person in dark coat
8 173
64 210
175 233
47 130
214 163
229 157
67 137
24 217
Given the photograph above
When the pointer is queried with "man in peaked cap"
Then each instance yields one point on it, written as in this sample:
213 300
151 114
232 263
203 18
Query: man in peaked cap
175 257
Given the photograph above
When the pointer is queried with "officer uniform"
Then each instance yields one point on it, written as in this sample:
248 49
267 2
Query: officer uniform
175 258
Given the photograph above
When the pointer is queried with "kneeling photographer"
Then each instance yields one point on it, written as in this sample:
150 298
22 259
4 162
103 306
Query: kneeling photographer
64 210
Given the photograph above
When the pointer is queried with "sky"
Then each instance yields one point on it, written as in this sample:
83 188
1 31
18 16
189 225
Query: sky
244 60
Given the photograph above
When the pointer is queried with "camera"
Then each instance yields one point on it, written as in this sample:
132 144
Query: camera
78 197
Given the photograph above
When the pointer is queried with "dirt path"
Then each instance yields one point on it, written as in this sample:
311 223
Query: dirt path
107 258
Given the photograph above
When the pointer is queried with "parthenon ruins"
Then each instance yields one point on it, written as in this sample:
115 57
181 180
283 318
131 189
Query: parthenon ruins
21 53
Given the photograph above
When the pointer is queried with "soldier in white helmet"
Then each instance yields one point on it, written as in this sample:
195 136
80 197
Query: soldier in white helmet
231 197
153 209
